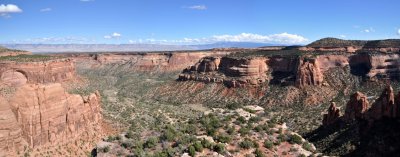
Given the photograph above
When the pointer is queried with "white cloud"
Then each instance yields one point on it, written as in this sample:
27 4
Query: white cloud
114 35
283 38
342 36
398 31
197 7
369 30
9 8
45 10
5 10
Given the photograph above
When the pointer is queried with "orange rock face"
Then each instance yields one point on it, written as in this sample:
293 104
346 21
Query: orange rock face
356 107
332 116
308 73
19 73
46 114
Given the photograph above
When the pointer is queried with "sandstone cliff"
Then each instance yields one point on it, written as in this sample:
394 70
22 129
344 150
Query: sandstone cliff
172 61
46 115
18 73
308 73
232 72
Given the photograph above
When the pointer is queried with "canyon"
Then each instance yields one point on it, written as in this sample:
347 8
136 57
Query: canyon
50 100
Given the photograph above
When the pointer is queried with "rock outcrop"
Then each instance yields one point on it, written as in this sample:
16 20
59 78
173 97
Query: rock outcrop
356 107
232 72
46 114
308 73
384 106
19 73
332 116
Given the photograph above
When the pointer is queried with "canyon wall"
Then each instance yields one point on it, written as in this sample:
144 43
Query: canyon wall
300 71
173 61
37 111
19 73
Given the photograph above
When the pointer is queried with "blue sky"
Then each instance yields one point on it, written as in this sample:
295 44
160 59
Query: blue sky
195 21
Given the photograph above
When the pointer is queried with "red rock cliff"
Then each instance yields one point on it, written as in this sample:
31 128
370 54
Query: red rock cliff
46 114
308 73
19 73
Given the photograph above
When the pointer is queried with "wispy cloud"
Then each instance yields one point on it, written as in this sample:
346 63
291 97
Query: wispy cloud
114 35
46 10
398 31
55 40
368 30
342 36
196 7
7 9
282 38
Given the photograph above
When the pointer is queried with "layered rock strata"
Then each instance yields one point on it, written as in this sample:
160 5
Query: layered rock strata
19 73
46 114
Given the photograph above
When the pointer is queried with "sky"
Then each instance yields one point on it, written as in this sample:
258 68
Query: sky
186 22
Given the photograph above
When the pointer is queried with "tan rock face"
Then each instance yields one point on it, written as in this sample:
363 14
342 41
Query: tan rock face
47 114
327 62
356 107
251 68
206 64
332 116
10 132
19 73
231 72
175 61
308 73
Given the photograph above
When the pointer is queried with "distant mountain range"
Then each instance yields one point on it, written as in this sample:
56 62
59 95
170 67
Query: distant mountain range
43 48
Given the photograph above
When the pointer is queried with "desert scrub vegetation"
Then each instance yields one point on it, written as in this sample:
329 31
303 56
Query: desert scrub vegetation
211 132
29 58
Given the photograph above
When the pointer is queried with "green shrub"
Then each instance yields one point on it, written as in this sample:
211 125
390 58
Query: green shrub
230 130
268 144
246 144
151 142
198 146
224 138
127 144
241 120
129 134
294 138
206 143
192 151
308 146
244 131
220 148
259 153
